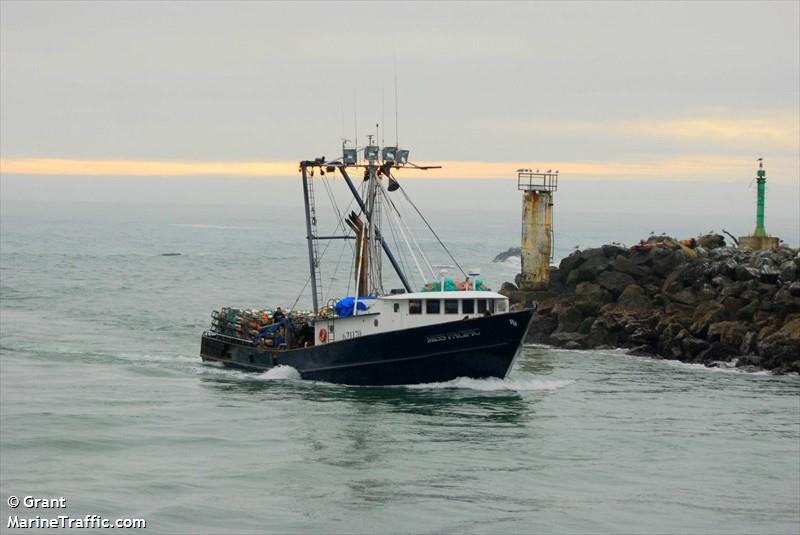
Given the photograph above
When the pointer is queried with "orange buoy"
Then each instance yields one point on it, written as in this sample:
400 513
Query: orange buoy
323 335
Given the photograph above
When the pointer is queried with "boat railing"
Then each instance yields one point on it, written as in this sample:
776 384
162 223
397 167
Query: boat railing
226 338
529 180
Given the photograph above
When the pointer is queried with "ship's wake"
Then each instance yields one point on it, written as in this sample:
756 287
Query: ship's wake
281 372
519 384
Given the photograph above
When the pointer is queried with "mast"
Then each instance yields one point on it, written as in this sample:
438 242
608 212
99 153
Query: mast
385 246
362 253
312 261
374 219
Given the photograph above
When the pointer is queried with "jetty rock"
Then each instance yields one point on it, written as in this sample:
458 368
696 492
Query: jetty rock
695 300
505 255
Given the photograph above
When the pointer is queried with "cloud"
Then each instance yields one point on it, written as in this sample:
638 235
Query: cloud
781 131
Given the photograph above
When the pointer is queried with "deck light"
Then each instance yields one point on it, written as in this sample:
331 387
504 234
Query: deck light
389 154
402 157
350 156
371 153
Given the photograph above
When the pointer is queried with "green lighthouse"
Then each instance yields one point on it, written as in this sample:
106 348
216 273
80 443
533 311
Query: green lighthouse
760 240
761 179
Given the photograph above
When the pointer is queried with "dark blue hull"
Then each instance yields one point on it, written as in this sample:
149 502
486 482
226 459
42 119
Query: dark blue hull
477 348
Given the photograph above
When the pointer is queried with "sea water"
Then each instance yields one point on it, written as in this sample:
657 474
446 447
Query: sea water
105 402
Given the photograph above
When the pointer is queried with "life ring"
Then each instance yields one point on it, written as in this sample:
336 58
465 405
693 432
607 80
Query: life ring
323 335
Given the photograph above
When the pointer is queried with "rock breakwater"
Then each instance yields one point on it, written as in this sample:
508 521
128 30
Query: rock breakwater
695 301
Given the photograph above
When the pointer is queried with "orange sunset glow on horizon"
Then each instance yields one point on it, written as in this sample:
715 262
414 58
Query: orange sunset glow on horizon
710 168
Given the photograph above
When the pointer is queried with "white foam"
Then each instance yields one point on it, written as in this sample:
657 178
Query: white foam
513 262
495 384
719 367
281 372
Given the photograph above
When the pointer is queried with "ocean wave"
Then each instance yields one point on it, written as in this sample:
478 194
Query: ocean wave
494 384
718 366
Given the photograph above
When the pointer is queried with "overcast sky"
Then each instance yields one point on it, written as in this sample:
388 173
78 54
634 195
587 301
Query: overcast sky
604 91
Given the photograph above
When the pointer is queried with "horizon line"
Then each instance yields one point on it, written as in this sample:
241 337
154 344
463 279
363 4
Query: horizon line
712 168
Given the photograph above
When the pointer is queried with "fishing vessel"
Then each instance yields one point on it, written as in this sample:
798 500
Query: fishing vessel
441 329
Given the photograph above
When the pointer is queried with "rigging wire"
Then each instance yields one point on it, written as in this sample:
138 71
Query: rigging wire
410 249
340 224
413 234
327 296
396 242
404 224
433 231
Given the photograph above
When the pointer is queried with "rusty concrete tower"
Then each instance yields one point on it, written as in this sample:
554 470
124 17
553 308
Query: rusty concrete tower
537 226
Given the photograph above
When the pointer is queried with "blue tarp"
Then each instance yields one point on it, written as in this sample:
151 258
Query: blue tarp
270 329
344 307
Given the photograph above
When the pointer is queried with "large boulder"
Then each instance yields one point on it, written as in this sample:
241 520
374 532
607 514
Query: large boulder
784 303
746 273
686 296
781 350
726 267
788 271
568 264
705 315
623 264
590 298
666 260
508 287
669 341
693 346
541 328
614 281
794 289
729 333
612 251
505 255
711 241
569 318
634 298
561 339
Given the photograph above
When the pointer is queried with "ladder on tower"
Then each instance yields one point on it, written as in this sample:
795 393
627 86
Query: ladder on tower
315 245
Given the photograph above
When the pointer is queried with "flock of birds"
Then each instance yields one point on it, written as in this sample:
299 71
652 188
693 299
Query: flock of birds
549 171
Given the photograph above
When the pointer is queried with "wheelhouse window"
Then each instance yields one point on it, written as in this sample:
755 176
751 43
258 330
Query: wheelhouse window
415 306
481 306
397 307
468 306
501 305
432 306
451 306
